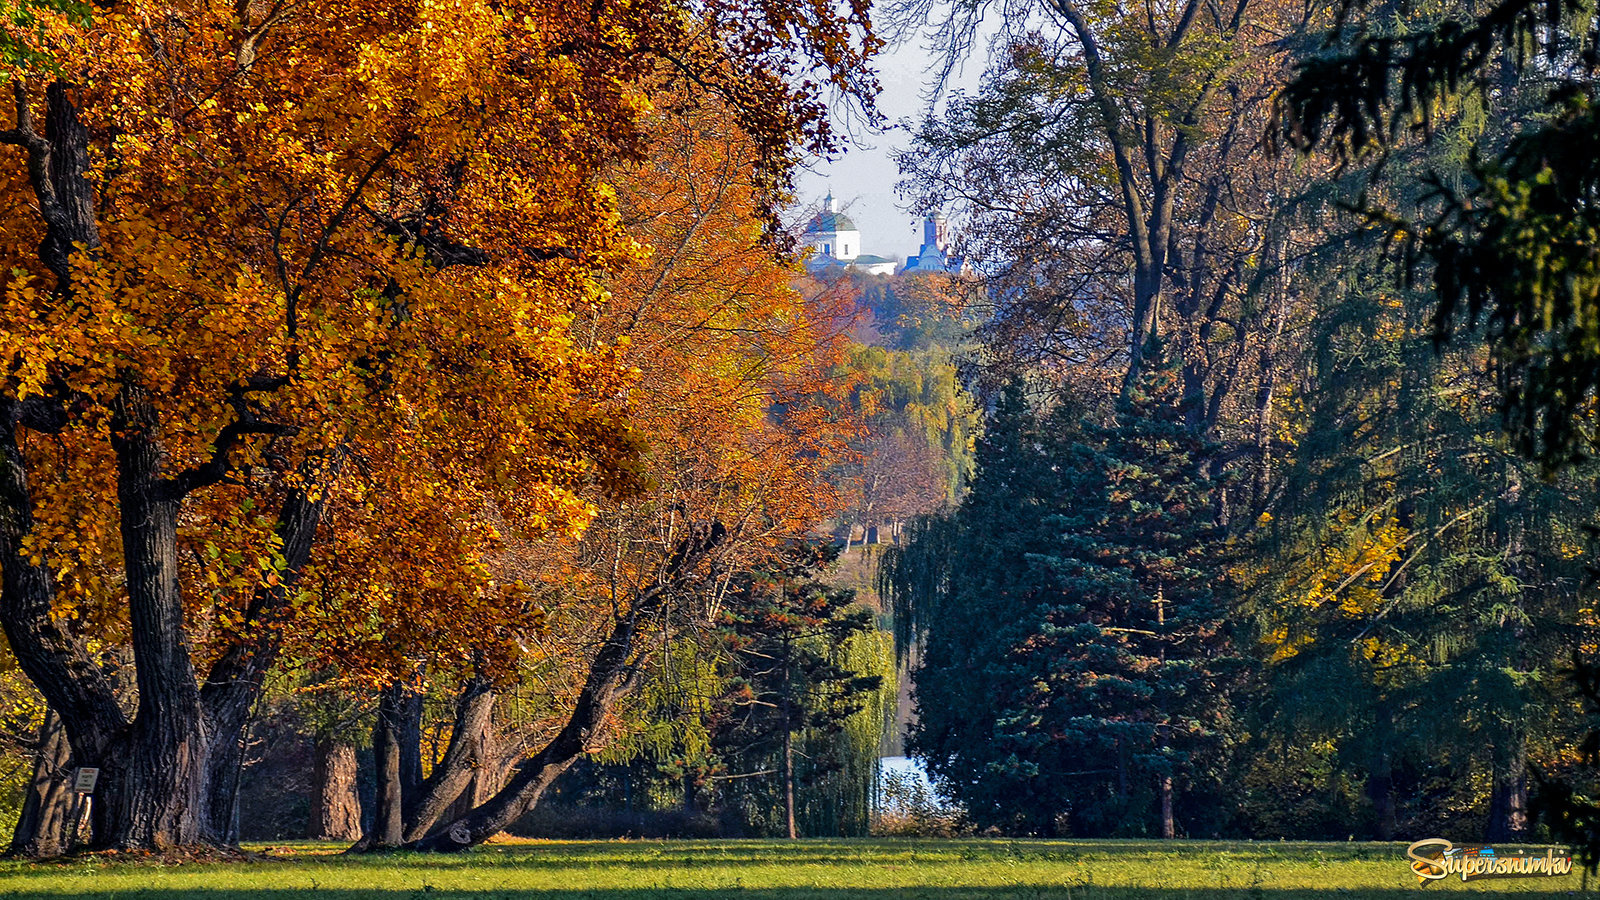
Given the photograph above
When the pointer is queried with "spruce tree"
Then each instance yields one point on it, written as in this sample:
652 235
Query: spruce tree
1140 663
963 586
1075 668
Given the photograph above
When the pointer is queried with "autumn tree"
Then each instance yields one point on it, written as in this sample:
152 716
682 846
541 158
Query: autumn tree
271 260
726 358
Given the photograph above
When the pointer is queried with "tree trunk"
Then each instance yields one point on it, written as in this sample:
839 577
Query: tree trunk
1508 798
335 805
788 783
153 794
614 672
488 774
1169 829
409 739
388 826
464 755
42 829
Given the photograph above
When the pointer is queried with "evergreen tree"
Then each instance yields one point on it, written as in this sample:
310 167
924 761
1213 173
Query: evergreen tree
799 680
1075 668
1426 570
1140 667
963 591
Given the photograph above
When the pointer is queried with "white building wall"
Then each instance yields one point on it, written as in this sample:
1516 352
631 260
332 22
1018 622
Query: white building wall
841 245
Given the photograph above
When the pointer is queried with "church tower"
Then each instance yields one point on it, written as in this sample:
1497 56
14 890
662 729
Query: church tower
935 233
934 256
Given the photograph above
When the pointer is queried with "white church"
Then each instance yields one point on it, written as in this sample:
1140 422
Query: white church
836 244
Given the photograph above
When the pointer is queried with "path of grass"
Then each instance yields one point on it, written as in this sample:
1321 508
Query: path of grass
777 870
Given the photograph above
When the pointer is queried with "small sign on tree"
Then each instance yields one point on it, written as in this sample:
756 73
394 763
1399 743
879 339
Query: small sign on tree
84 779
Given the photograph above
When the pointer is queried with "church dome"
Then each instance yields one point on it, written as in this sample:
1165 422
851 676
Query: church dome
828 221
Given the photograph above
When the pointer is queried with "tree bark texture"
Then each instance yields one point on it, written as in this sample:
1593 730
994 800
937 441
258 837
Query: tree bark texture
335 804
408 736
43 828
1508 798
157 794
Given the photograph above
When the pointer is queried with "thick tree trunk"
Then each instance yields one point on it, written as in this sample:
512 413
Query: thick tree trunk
519 795
335 804
614 672
1508 798
489 773
70 217
491 765
388 814
42 829
154 795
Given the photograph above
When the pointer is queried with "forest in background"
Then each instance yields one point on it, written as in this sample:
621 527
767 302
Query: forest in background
1281 522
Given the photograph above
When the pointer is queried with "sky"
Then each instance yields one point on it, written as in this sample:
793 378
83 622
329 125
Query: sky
864 177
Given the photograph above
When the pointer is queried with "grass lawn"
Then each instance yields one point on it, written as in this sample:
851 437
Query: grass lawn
779 870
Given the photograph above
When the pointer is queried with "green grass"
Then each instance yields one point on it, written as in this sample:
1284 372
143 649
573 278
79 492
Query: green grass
778 870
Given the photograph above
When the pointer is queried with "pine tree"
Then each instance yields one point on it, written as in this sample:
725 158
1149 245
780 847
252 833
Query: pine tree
795 689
